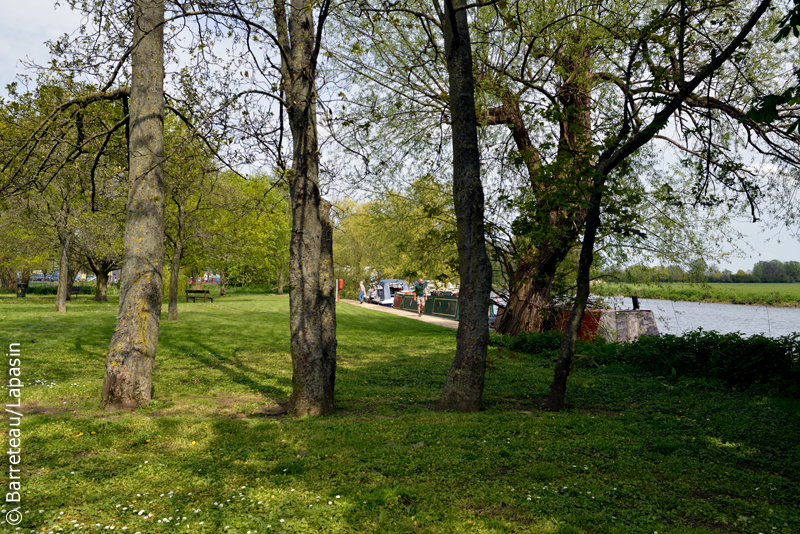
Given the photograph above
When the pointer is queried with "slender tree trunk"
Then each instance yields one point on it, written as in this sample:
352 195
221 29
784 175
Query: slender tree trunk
73 272
463 387
566 351
172 314
327 300
223 283
280 283
129 363
313 371
63 274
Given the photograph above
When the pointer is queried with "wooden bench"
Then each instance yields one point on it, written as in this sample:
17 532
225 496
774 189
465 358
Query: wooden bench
76 290
195 294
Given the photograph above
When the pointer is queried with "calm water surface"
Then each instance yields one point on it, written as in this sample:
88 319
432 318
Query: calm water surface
678 317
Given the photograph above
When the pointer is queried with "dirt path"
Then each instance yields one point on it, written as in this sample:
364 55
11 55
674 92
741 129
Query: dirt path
441 321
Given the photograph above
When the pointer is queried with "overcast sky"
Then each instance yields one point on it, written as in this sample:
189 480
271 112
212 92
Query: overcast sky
26 25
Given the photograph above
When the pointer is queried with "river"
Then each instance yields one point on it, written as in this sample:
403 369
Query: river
678 317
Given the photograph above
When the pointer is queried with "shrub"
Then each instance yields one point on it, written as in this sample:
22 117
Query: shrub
735 360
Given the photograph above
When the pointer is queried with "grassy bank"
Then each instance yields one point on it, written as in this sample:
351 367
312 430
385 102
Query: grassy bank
632 453
787 295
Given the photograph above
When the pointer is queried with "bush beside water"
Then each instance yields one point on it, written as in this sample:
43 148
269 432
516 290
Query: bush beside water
734 360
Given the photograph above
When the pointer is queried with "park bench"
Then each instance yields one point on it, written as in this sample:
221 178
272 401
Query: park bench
76 290
195 294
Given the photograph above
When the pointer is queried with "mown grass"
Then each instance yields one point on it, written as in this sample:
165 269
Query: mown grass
787 295
631 454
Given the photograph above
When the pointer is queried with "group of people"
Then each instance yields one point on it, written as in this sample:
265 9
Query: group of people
419 294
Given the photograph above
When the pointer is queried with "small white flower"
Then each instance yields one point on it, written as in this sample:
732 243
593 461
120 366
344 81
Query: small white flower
338 497
282 520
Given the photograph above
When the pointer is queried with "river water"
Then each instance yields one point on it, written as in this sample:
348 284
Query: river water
678 317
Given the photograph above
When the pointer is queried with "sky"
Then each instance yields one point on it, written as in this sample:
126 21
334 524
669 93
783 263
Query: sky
25 26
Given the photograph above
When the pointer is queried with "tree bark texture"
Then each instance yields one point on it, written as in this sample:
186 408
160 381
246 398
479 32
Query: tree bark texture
327 298
174 275
463 387
313 369
223 283
129 363
63 273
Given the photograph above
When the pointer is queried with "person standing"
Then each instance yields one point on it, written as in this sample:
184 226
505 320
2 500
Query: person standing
419 295
361 292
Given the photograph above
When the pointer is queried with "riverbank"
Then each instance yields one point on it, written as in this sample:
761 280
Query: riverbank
779 295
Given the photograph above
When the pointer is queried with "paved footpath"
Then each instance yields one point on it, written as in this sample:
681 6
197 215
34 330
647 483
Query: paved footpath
441 321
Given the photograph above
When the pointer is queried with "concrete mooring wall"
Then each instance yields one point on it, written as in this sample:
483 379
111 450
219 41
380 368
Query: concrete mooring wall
625 325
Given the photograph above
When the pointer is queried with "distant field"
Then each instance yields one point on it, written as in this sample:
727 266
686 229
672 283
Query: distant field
787 295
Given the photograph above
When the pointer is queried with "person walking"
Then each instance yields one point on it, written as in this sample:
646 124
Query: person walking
419 295
361 292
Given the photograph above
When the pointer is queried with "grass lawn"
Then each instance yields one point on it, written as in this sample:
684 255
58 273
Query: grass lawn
761 294
632 454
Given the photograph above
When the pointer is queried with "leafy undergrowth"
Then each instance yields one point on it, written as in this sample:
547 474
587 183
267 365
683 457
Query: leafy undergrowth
760 363
631 454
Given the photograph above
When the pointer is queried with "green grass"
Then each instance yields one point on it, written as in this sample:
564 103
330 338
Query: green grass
787 295
631 454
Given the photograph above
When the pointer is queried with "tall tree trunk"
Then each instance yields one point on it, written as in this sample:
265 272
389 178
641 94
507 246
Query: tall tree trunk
223 283
172 314
101 287
312 376
129 363
63 273
463 387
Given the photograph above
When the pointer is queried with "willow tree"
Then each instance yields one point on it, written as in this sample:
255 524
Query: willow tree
549 84
636 130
